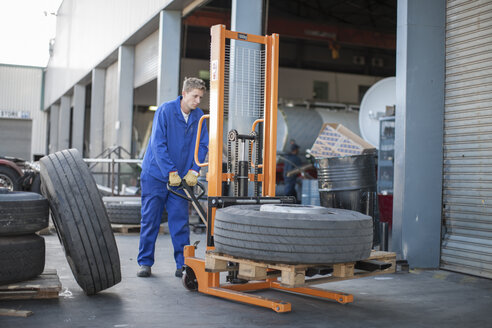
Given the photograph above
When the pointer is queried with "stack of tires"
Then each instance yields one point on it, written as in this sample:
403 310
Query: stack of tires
22 251
80 219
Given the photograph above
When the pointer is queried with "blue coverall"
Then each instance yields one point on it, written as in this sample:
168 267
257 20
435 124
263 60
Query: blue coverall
171 148
293 161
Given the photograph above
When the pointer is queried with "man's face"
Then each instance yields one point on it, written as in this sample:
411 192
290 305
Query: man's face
191 100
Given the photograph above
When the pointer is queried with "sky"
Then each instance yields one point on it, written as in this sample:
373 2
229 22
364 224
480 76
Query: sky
26 27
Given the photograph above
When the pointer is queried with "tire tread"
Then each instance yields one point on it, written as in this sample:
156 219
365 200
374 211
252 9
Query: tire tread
81 221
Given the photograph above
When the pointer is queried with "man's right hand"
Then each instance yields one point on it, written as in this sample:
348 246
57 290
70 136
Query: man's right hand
174 179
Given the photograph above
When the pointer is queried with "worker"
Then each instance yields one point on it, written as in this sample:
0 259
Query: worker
292 161
169 158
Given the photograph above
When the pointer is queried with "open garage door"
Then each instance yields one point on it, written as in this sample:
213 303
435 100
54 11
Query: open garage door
15 138
467 189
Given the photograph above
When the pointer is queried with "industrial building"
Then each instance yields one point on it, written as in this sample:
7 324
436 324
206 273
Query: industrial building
23 122
113 61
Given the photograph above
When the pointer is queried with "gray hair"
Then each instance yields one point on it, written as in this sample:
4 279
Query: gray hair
191 83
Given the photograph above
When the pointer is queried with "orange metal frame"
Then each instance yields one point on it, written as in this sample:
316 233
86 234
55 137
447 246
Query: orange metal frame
208 282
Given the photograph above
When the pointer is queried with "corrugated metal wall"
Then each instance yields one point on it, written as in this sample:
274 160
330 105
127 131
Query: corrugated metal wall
20 91
20 88
467 190
110 105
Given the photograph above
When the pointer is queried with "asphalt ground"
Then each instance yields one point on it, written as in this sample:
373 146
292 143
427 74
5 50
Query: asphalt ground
420 298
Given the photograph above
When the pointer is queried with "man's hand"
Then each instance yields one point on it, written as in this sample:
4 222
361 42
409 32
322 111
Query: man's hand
191 178
174 179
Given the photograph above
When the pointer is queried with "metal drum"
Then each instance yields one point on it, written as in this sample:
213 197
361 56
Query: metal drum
348 182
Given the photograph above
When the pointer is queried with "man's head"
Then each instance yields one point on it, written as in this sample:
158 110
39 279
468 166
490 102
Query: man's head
193 90
294 148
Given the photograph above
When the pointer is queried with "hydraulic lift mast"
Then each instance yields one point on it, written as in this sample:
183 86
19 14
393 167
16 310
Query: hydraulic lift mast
204 274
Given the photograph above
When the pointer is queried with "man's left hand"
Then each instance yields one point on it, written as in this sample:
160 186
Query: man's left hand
191 178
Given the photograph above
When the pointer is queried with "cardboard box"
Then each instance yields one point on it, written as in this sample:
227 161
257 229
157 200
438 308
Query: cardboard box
335 140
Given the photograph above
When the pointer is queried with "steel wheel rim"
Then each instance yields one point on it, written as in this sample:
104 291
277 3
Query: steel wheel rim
6 182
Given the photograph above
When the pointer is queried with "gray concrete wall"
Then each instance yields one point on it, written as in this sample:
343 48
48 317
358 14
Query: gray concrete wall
79 43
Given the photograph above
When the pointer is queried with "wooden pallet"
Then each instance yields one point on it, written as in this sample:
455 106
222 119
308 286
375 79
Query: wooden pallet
294 275
15 313
132 228
45 286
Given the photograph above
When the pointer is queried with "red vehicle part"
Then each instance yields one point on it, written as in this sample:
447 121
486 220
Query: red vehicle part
386 208
11 164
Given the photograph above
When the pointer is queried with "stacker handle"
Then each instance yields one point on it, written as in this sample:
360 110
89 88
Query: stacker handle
188 188
253 129
197 143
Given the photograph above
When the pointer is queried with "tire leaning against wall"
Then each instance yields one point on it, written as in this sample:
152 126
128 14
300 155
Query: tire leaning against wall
81 221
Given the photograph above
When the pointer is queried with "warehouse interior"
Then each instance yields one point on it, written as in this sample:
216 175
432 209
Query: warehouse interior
100 91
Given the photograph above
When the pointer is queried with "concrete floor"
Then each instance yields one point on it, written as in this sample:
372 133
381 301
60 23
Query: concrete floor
431 298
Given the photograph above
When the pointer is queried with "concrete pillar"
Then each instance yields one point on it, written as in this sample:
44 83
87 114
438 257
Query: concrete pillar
78 117
246 17
97 112
168 84
54 119
420 74
64 123
124 117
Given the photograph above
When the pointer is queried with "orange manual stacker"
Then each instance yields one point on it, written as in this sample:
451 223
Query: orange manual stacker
204 274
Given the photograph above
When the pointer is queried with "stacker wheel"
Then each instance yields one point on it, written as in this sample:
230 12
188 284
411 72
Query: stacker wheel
293 233
189 279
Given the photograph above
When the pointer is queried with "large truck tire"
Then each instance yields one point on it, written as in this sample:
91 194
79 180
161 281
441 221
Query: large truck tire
21 258
127 213
324 236
22 213
80 220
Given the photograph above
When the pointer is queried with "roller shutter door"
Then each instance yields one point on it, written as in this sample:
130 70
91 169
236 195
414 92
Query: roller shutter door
15 138
146 57
467 190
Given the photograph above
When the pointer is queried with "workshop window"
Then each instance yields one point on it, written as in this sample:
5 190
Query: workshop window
205 76
320 90
362 91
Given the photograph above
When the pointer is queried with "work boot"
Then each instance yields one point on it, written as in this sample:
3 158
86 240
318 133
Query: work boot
144 271
179 273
